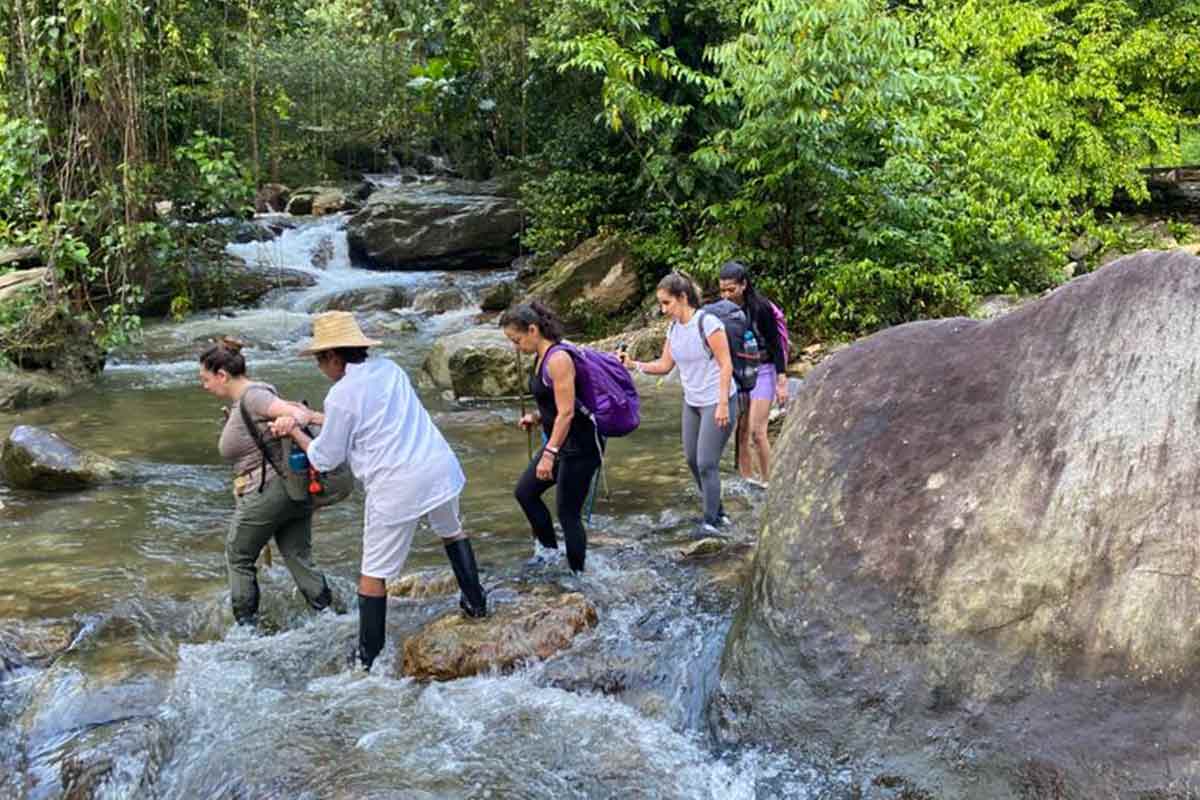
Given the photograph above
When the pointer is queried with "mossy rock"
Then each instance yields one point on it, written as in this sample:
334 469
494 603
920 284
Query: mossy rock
38 459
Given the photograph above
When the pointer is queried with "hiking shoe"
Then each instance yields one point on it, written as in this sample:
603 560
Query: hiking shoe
704 530
756 483
544 556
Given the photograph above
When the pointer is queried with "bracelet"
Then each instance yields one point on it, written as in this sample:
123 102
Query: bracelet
551 450
640 367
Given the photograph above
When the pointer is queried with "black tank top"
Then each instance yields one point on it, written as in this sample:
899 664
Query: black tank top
581 438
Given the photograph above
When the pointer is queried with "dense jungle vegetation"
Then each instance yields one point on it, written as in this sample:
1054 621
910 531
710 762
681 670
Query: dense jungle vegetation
875 161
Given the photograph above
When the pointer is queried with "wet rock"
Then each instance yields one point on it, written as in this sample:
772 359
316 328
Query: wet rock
978 566
35 458
119 759
23 642
473 418
641 345
24 389
419 585
272 197
479 362
439 301
253 232
596 279
498 297
370 298
318 201
532 629
323 253
223 281
703 548
445 225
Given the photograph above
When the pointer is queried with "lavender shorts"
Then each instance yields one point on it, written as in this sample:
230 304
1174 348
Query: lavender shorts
764 387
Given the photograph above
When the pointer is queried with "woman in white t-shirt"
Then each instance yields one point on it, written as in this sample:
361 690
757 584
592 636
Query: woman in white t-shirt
709 394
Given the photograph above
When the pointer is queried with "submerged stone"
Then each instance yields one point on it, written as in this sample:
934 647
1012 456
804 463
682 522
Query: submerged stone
35 458
532 629
976 558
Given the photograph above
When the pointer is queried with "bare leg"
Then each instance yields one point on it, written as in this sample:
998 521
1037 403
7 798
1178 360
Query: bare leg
760 412
745 469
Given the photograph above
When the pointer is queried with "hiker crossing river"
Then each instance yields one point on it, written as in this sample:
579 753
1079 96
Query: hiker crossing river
130 672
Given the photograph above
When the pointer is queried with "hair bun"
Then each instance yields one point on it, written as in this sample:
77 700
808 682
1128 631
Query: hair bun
232 345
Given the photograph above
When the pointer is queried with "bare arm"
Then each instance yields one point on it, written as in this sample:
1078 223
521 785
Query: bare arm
562 375
660 366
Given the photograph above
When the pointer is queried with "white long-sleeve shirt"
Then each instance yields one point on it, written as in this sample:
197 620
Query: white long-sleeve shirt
374 420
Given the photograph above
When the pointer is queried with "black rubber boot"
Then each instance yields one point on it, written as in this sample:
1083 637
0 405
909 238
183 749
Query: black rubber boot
473 599
372 614
321 601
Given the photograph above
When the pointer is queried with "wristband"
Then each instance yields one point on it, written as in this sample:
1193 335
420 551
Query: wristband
551 450
640 367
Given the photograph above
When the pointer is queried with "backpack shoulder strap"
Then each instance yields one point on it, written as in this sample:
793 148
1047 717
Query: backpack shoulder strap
563 346
700 329
256 434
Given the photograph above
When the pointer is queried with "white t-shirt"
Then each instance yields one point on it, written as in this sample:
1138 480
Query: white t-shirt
374 419
698 371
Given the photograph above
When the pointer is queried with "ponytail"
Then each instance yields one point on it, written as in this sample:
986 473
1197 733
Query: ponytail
537 313
677 284
224 354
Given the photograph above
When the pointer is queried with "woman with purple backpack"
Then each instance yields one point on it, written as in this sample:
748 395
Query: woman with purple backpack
573 447
769 328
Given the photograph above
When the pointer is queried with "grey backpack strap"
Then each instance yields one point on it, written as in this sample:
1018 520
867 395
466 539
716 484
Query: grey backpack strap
704 339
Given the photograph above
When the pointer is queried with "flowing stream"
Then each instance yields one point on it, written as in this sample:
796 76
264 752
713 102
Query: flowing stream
160 696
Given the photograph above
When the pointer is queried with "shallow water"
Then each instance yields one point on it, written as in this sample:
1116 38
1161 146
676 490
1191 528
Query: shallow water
171 701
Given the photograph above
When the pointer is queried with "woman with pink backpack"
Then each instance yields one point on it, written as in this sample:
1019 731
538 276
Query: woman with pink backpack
770 331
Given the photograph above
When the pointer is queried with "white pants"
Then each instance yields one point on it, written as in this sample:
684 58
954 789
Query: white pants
386 540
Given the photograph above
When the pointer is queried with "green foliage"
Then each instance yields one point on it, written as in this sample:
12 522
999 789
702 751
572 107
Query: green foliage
211 182
565 207
862 296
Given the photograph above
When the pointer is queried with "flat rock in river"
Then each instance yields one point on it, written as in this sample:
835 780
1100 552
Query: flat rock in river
534 628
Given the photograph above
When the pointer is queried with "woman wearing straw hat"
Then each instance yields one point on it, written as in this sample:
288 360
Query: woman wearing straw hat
374 420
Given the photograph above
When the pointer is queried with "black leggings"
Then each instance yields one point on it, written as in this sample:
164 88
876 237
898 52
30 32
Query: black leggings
573 475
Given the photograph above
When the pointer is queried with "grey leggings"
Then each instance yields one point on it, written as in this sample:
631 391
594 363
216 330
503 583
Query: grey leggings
703 443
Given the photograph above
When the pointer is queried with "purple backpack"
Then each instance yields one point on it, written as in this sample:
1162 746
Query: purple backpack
604 391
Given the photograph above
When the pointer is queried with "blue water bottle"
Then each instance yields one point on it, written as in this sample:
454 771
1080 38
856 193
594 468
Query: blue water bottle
298 461
750 346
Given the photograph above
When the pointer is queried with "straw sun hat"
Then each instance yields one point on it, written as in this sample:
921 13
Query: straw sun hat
336 329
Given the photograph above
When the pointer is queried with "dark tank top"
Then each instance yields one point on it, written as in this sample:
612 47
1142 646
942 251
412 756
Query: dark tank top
581 437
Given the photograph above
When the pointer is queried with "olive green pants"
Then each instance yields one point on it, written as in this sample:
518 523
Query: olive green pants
257 518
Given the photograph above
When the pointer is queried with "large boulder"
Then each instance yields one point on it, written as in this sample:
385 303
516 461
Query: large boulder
319 201
443 225
497 297
534 628
975 572
272 197
367 298
478 362
35 458
218 281
439 301
597 279
23 389
645 344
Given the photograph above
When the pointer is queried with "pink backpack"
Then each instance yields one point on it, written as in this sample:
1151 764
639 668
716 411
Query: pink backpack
781 325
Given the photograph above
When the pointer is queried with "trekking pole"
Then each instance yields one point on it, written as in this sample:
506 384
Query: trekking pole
521 396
